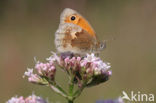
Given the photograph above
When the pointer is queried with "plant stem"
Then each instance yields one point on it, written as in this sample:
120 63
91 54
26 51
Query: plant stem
71 89
59 90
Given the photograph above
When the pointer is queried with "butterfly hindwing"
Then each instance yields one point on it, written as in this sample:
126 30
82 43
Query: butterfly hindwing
72 37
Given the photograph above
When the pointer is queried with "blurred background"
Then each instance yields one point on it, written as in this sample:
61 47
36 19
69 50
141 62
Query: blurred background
27 30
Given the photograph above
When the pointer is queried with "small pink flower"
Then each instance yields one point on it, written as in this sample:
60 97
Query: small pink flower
54 58
95 64
34 78
31 99
34 99
16 100
29 72
46 69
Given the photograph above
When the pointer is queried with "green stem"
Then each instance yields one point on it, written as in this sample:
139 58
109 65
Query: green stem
71 89
56 88
59 90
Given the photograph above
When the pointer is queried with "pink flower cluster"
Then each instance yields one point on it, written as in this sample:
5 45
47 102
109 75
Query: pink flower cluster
94 65
43 69
46 69
30 99
34 78
89 64
88 68
71 63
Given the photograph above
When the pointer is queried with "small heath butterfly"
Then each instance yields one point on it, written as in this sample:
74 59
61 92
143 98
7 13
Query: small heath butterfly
76 35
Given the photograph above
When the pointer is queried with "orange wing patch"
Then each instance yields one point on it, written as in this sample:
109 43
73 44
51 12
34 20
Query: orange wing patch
82 22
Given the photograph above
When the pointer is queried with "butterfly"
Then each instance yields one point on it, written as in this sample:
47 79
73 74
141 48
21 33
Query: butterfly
76 35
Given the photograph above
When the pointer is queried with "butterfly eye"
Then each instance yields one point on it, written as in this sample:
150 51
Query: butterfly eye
73 18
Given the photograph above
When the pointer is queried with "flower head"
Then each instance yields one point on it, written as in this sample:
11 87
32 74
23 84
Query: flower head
30 99
34 99
95 64
16 100
88 68
34 78
46 69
